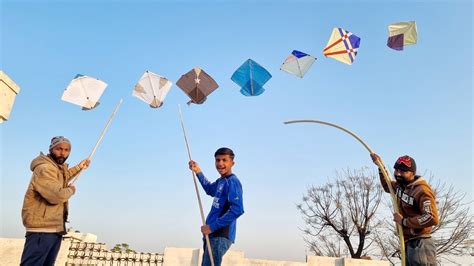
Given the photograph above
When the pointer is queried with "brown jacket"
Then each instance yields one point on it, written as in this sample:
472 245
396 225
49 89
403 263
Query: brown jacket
45 204
417 205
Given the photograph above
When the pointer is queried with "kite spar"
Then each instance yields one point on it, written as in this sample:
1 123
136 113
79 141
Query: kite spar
208 243
381 166
100 139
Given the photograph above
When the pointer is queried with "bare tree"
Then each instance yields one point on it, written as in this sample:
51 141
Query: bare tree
341 212
454 229
386 238
455 220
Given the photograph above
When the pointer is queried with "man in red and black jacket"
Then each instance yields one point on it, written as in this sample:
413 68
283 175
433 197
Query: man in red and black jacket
418 210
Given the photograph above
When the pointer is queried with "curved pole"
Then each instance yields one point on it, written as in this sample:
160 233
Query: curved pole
381 166
102 134
208 242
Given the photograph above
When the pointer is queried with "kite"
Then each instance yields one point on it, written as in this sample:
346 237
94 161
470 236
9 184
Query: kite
401 34
84 91
342 46
251 77
297 63
8 91
152 89
197 84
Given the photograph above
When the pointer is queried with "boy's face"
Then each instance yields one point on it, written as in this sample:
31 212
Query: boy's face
224 164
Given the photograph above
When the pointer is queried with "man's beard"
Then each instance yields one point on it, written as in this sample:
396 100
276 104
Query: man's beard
58 160
401 180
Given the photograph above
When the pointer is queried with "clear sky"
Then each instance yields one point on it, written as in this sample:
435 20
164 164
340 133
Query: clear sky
139 189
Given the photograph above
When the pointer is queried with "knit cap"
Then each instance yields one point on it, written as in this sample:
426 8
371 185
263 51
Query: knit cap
58 140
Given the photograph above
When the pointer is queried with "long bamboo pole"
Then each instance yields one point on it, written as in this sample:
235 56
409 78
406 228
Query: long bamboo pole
100 139
208 243
381 166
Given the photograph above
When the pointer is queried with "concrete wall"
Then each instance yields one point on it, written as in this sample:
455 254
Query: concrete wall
192 257
11 249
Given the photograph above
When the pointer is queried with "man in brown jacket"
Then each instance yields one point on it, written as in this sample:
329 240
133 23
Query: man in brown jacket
45 206
418 210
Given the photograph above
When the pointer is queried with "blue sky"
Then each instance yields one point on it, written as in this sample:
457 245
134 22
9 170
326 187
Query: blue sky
139 190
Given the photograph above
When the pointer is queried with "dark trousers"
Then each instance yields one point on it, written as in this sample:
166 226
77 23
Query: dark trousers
41 249
420 252
219 246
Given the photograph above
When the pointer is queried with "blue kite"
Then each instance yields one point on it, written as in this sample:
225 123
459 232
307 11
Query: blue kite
251 77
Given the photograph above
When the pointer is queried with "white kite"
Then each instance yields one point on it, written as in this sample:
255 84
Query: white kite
152 89
298 63
84 91
8 91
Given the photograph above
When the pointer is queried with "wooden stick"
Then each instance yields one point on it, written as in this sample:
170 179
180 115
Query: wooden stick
208 243
381 166
99 140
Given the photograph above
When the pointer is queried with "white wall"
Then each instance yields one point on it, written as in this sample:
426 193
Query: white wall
192 257
11 249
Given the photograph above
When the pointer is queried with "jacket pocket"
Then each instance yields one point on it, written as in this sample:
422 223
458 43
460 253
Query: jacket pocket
40 217
44 212
40 211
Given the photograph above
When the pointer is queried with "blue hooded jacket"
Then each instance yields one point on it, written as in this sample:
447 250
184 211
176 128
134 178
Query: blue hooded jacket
227 205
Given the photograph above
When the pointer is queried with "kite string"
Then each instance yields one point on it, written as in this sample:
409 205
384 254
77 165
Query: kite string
208 243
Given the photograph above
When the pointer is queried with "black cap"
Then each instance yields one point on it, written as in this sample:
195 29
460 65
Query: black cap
405 163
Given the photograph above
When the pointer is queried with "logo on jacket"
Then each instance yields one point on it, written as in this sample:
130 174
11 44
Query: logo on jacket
404 197
426 217
215 203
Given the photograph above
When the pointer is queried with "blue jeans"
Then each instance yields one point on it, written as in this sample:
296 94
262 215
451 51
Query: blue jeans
421 252
41 249
219 246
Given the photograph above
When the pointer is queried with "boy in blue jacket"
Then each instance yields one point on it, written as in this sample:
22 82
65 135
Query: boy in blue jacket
227 205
